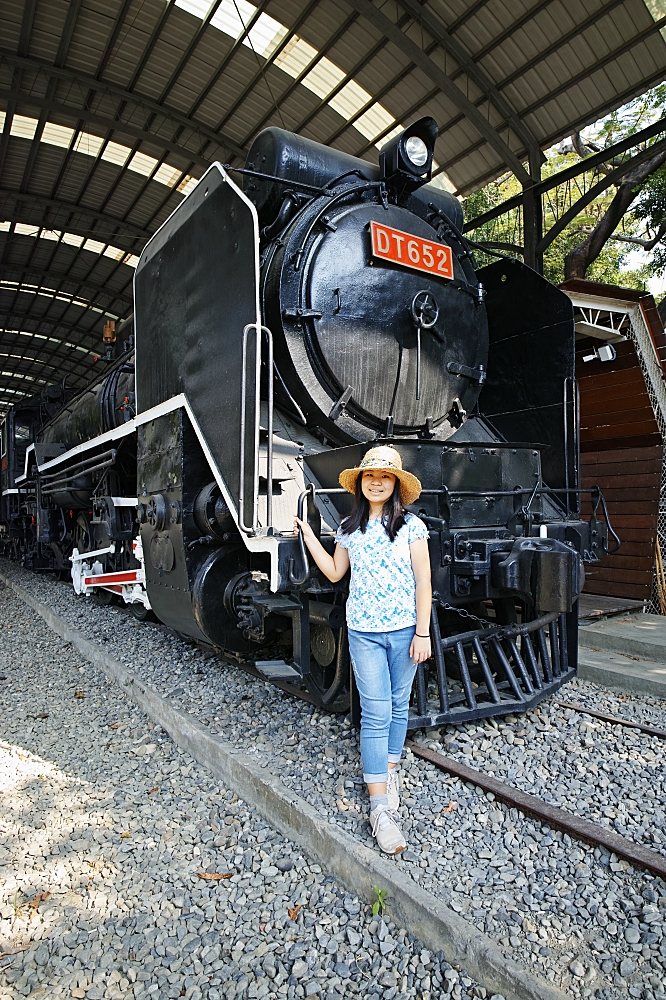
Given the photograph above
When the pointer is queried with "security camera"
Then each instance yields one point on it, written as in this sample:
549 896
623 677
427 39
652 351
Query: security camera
605 353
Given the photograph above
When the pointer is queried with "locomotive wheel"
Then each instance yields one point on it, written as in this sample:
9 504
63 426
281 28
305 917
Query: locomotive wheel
141 612
104 598
328 680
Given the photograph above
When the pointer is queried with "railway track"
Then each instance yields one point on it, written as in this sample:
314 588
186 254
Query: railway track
574 825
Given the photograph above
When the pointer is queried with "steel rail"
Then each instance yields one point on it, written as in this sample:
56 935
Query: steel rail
613 719
583 829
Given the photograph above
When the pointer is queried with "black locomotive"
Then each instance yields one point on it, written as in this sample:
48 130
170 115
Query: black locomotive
279 331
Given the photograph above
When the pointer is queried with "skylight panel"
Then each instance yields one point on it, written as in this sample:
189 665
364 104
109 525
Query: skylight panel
167 175
197 7
389 135
57 135
374 122
265 35
23 128
658 10
24 230
93 245
115 153
72 239
226 17
3 116
50 234
187 184
323 77
350 100
88 144
114 253
442 180
295 57
4 227
132 260
142 164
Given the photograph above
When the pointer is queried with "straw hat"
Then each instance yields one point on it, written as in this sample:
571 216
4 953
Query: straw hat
384 459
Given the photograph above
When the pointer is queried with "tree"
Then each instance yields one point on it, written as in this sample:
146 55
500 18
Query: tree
579 259
595 243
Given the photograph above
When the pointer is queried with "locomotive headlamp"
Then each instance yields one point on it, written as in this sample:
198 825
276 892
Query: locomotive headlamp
406 161
417 151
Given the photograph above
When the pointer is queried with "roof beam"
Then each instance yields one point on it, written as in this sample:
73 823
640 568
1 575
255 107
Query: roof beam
18 321
228 56
171 114
382 23
510 30
55 363
61 276
132 232
185 57
291 87
436 29
134 132
261 72
587 73
113 37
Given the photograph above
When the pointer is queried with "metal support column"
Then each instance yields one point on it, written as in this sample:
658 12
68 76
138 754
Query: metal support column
533 214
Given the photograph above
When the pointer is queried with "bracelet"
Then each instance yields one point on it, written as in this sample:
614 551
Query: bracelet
422 636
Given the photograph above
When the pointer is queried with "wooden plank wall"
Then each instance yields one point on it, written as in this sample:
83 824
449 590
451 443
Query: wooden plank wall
629 478
621 452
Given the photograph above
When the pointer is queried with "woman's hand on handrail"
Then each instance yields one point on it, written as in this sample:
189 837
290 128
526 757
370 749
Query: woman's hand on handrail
333 567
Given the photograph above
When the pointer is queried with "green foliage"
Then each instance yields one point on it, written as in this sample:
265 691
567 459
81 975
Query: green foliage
651 210
380 902
643 221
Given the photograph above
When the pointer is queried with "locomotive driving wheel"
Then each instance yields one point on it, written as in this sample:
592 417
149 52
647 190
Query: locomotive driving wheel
328 680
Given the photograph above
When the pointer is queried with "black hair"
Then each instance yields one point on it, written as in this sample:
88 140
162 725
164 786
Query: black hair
393 514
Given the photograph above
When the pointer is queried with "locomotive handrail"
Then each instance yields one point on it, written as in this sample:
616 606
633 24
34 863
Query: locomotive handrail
259 329
298 581
278 180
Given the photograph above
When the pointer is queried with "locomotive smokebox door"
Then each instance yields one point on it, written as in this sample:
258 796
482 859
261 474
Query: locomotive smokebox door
376 322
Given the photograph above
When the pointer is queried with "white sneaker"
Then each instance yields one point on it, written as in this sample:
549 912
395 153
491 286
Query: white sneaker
393 789
386 831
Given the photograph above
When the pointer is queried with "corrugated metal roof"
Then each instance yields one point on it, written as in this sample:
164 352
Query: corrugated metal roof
115 107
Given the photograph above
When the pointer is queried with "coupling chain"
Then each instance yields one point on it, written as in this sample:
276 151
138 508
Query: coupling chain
467 614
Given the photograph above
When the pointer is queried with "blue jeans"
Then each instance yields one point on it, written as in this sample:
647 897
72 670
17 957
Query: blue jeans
384 673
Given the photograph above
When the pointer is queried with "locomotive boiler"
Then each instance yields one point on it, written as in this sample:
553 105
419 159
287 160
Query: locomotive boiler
281 328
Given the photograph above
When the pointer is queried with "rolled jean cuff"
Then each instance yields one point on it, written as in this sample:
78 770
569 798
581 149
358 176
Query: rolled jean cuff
376 779
395 758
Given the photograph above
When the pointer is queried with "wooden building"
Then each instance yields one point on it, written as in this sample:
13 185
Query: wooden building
621 441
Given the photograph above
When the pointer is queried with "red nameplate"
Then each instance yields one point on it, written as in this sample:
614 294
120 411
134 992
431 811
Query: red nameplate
411 251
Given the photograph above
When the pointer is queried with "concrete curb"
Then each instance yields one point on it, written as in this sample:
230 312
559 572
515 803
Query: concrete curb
633 638
612 670
354 865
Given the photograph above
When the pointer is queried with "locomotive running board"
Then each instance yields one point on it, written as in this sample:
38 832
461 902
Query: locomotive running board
277 670
510 678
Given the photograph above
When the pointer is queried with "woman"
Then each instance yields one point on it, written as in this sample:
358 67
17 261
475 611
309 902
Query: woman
388 617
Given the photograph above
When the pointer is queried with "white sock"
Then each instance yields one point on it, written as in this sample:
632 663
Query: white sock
378 801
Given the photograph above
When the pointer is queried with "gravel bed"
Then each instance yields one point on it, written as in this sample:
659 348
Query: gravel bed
105 827
583 919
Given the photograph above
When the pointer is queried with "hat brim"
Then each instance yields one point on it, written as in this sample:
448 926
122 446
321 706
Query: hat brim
410 486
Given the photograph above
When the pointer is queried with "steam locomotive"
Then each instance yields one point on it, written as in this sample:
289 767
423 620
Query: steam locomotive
280 329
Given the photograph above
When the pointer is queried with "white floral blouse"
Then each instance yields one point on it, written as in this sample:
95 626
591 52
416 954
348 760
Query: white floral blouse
382 590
